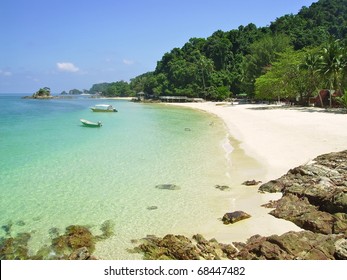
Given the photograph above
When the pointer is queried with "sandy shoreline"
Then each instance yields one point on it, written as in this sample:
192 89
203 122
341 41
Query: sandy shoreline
274 140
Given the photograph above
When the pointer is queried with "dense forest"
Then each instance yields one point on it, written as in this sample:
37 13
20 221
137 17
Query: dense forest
291 58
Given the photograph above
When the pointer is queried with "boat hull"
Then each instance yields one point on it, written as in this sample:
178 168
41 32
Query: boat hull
90 124
102 110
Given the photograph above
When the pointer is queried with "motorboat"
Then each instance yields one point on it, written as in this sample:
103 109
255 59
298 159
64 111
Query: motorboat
103 108
90 124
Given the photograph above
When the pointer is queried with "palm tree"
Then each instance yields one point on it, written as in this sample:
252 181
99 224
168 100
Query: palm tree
331 65
310 64
205 67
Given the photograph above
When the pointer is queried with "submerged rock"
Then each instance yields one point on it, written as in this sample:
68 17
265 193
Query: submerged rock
107 228
15 248
170 187
222 187
251 183
75 237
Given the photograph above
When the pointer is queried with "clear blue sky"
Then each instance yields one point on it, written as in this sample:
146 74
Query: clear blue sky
66 44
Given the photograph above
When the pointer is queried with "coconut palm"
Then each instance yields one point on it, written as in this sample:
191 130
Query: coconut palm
310 65
331 65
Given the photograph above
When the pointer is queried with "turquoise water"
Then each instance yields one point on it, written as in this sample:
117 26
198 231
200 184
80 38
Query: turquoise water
55 172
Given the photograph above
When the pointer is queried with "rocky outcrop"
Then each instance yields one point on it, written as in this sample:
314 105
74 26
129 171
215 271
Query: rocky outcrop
304 245
179 247
314 195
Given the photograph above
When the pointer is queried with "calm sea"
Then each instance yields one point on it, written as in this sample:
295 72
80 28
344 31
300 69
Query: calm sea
55 172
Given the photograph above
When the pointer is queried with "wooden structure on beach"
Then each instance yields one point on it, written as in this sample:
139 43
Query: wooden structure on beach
323 98
170 99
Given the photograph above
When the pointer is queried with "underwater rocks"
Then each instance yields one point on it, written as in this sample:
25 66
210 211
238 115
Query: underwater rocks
15 248
314 195
222 187
251 183
170 187
77 243
75 237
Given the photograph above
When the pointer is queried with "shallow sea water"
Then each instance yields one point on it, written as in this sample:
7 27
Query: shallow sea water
55 172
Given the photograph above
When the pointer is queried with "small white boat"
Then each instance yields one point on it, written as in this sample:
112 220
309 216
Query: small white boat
90 124
103 108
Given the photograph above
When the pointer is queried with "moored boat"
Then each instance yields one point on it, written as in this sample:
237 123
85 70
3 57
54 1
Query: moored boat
90 124
103 108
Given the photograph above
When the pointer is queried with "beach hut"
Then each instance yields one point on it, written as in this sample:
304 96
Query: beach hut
141 96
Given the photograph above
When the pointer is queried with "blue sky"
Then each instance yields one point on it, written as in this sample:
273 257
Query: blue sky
66 44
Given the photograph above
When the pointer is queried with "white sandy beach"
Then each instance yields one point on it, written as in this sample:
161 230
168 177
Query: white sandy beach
278 139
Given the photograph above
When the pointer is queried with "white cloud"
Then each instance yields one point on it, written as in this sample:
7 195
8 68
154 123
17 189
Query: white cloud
5 73
67 67
128 62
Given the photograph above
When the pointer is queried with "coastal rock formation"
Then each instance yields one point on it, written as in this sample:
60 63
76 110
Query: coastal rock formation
314 195
304 245
233 217
179 247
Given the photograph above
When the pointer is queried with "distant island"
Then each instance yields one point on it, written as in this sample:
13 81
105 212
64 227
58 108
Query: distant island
42 93
75 92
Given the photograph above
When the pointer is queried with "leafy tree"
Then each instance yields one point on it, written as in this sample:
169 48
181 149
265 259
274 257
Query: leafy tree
262 54
309 66
284 79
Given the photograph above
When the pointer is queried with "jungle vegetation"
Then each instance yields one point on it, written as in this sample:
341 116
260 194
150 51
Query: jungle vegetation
291 58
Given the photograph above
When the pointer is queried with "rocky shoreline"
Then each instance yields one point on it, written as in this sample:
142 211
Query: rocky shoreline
314 198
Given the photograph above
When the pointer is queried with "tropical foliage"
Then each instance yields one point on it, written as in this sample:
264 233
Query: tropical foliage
291 58
42 92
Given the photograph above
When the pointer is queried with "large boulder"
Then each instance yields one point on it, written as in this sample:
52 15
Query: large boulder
233 217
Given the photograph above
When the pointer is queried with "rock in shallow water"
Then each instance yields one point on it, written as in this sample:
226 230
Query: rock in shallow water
233 217
170 187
